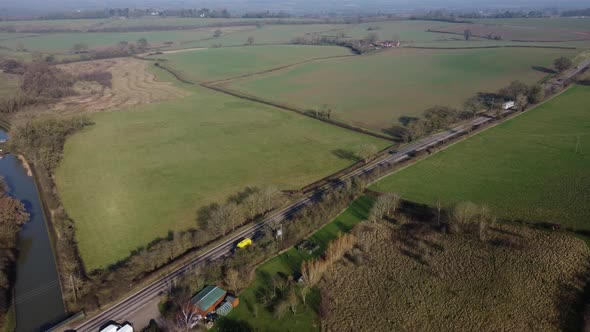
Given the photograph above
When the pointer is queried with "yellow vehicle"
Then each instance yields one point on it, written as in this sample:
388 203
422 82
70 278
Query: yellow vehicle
244 243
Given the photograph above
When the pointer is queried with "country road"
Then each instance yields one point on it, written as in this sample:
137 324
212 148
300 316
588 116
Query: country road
142 298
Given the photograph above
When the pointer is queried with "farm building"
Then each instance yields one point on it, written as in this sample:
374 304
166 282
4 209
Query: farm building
117 328
207 300
227 305
508 105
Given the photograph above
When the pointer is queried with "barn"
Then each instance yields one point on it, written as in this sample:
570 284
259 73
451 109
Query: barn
208 299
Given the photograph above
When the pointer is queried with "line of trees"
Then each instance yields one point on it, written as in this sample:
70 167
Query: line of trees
441 117
211 223
358 46
42 139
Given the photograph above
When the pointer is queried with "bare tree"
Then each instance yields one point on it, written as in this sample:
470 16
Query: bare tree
562 64
372 37
292 301
366 151
186 318
467 34
386 205
250 40
438 209
232 280
312 271
473 105
521 102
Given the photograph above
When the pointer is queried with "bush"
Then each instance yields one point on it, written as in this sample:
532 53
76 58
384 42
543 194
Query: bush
43 80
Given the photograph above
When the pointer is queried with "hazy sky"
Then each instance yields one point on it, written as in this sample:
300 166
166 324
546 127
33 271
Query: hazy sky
289 5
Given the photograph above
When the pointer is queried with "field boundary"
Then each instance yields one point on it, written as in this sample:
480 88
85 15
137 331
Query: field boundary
513 40
296 110
215 87
491 46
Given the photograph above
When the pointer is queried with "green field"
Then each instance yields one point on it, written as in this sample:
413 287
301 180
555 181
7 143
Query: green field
267 34
373 91
116 23
578 24
136 174
219 63
406 31
526 168
63 42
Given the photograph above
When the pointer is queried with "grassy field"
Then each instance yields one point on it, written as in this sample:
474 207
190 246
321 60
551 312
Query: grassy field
373 91
116 23
578 24
526 168
413 279
406 31
268 34
136 174
289 263
512 32
63 42
220 63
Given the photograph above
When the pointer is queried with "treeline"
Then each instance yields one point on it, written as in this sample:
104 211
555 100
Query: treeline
211 223
12 216
507 14
279 293
42 139
266 14
576 12
441 117
137 13
357 46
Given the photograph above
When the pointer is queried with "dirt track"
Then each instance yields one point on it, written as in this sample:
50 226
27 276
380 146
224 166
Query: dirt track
131 85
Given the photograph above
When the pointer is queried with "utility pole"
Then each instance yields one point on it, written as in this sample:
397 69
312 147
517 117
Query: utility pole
578 145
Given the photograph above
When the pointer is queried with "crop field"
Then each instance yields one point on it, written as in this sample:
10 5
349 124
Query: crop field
220 63
413 279
373 91
135 175
510 32
529 168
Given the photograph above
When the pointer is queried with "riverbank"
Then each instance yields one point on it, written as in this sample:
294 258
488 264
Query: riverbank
37 292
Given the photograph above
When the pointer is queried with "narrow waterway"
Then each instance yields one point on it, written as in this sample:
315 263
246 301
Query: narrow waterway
38 295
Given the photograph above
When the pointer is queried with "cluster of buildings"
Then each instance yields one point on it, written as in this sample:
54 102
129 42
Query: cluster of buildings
384 44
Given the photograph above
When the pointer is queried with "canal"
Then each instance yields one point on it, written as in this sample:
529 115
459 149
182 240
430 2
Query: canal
37 290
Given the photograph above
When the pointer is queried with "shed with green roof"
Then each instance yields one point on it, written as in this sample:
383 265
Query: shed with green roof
208 299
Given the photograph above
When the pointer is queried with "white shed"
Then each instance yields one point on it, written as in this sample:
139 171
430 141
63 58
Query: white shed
508 105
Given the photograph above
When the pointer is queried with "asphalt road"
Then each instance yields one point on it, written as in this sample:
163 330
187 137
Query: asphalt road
120 311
